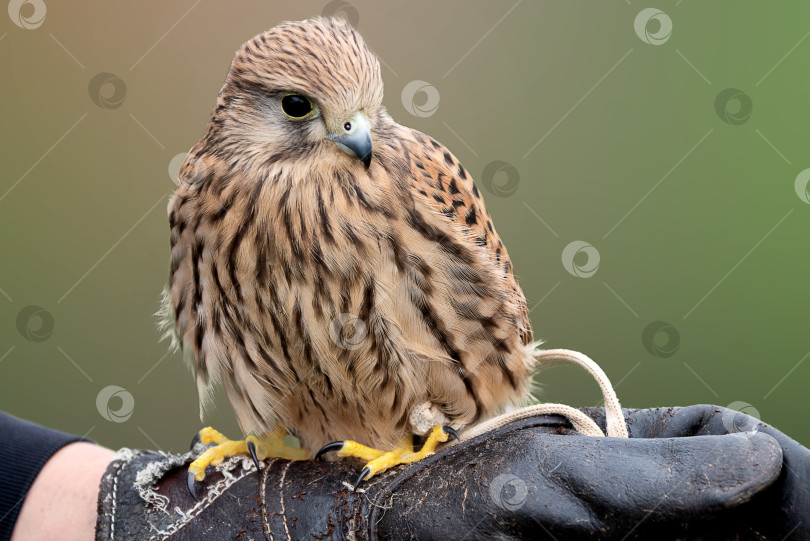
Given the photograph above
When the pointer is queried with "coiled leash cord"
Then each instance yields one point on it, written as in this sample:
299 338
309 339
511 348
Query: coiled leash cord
616 426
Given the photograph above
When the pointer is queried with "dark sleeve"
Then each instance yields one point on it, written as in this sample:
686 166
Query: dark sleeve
24 450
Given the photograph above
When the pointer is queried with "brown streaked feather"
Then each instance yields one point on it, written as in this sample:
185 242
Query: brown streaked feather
437 174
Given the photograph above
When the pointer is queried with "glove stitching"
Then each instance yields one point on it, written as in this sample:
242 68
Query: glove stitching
115 498
213 493
281 500
114 501
126 456
268 535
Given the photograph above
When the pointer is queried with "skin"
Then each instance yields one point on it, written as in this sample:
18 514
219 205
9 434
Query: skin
62 501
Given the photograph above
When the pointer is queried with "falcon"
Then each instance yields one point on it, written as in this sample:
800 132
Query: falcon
334 271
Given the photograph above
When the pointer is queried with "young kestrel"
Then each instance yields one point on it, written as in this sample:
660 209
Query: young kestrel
335 271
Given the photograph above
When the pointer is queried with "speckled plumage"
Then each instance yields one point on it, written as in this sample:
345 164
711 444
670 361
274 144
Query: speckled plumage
276 232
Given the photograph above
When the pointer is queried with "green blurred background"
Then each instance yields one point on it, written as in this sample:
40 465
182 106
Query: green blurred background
610 131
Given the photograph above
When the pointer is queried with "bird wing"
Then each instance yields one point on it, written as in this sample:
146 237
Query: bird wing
446 190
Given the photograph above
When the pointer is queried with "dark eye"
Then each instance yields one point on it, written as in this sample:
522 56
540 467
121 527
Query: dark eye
296 106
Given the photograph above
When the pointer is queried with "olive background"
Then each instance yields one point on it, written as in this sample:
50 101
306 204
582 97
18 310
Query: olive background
686 204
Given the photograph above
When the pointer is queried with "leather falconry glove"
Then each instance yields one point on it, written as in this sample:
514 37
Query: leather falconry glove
697 472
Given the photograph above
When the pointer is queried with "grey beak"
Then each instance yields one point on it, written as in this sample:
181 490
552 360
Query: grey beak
355 138
358 145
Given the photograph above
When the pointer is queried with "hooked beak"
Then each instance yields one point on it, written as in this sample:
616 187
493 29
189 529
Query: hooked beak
355 138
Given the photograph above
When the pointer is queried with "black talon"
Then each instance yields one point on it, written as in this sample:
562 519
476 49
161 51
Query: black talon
450 431
192 486
194 441
252 448
360 479
334 446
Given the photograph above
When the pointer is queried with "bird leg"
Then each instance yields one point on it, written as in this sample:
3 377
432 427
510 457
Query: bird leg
379 461
267 445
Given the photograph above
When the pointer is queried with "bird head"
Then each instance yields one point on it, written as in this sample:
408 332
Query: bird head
305 88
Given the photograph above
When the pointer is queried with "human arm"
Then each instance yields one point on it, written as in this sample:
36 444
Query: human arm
48 482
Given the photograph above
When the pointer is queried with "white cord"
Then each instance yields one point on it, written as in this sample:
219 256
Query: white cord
616 426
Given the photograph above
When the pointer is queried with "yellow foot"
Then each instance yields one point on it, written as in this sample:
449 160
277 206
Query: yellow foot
268 445
378 461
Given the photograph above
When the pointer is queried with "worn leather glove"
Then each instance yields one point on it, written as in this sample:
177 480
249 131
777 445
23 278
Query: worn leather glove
698 472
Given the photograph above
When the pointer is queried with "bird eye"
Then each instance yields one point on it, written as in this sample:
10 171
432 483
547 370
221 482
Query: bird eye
296 106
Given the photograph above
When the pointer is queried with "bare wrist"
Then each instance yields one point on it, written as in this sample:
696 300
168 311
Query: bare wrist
62 501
